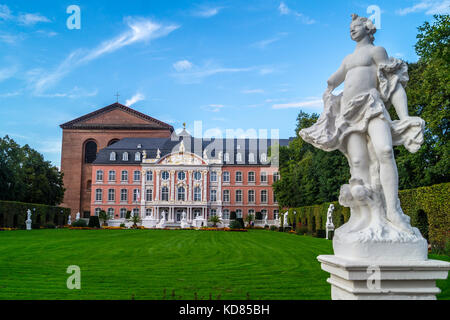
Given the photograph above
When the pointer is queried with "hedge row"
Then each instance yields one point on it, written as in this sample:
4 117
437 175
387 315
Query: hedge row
14 215
428 207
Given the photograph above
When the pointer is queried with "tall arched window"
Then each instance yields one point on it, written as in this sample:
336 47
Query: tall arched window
90 152
165 194
197 194
112 142
181 194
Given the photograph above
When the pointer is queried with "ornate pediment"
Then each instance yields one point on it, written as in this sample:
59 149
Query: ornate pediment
182 158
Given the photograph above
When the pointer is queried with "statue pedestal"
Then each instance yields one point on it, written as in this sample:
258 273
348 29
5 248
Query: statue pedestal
149 223
366 280
28 223
329 229
185 224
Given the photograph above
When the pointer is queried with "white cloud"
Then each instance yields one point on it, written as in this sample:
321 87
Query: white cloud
29 19
10 94
430 7
195 74
207 12
75 93
214 107
250 91
285 10
5 13
182 65
7 73
264 71
134 99
315 104
140 30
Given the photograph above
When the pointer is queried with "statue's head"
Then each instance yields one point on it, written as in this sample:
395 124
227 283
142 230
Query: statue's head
362 27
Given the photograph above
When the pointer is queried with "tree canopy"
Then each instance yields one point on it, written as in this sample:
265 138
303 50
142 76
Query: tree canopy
26 177
311 176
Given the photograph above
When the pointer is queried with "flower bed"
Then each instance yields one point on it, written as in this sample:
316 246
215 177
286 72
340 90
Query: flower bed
8 229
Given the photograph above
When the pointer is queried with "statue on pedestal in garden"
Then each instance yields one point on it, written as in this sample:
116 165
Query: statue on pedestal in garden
357 123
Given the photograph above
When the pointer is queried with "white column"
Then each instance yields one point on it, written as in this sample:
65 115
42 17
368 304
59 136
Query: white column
205 186
157 177
190 186
219 187
172 185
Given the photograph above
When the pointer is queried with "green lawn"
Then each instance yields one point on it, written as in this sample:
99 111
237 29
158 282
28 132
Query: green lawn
146 264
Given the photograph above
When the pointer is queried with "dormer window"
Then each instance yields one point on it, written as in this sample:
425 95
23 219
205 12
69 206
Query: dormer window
263 157
139 146
227 156
239 157
137 156
251 157
112 156
125 156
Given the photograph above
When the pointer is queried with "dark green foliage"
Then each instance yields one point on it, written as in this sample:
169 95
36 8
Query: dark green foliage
94 222
26 177
241 222
234 224
233 215
273 228
50 226
321 233
258 216
128 215
13 214
79 224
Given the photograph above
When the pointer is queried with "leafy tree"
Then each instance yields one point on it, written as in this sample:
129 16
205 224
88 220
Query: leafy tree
135 219
104 216
215 220
26 177
249 218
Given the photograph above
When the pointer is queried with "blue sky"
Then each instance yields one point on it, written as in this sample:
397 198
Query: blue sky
231 64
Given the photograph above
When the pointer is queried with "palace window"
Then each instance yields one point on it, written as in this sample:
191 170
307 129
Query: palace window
98 195
197 175
112 175
263 177
213 177
137 175
124 176
275 215
97 211
226 195
165 175
213 212
263 157
239 196
181 175
252 212
123 195
251 157
111 213
149 175
238 176
149 195
263 196
165 194
251 196
239 157
135 212
251 176
135 195
238 213
276 176
125 156
148 212
123 213
181 194
226 214
111 195
112 156
99 175
227 157
197 194
137 156
226 176
213 195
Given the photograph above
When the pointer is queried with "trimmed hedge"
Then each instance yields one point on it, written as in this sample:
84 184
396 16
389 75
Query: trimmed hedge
428 207
13 215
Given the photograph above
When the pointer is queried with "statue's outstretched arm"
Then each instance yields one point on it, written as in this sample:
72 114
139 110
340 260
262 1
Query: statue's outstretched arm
337 78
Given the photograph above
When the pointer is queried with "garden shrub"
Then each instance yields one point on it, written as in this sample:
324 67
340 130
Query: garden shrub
233 215
241 221
79 224
94 222
235 224
321 233
50 225
273 228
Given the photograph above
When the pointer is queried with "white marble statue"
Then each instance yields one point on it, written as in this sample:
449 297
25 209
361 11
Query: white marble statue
285 223
69 220
28 221
329 225
77 216
184 222
158 154
266 222
357 123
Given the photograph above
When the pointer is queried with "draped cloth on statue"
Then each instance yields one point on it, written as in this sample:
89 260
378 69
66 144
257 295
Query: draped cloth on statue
338 120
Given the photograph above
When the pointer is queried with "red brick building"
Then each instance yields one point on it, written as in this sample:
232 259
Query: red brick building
86 135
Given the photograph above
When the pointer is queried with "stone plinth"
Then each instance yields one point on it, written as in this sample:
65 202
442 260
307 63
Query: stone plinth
364 280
